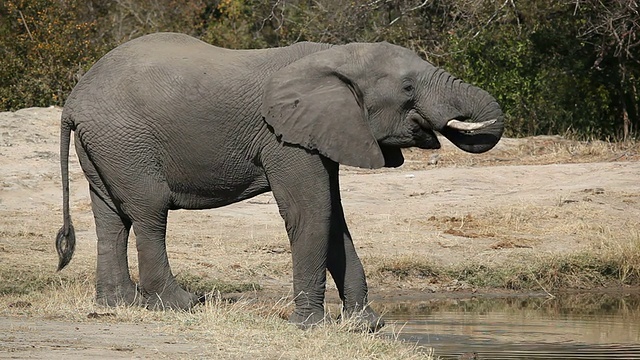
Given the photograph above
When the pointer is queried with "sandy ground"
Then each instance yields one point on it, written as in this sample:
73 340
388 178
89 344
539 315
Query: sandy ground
59 339
493 208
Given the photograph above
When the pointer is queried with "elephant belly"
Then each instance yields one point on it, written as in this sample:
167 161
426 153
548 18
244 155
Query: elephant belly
216 194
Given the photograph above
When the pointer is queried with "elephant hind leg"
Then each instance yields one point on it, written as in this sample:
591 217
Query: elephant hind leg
113 282
157 283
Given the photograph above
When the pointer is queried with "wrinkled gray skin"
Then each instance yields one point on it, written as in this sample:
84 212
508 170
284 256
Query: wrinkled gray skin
168 122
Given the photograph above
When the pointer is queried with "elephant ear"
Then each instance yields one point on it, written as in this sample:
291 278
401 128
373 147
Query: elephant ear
314 103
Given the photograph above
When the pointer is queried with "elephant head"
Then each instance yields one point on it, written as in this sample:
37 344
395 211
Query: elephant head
358 104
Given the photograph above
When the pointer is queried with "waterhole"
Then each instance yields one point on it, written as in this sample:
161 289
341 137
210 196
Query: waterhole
577 326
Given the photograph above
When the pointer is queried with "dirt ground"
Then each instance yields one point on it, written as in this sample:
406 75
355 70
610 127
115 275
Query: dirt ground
525 198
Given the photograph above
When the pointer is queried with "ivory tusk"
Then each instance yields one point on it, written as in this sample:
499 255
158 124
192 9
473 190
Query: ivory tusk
469 126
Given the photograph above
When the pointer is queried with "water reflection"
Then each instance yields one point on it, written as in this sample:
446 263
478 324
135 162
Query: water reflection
585 326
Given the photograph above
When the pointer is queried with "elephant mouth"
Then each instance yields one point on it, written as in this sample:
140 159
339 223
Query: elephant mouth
471 136
428 140
424 136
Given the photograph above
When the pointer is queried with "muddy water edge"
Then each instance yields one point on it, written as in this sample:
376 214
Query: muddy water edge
568 326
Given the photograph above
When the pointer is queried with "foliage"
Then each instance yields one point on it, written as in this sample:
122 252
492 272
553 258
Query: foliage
44 49
556 67
123 20
539 74
612 28
229 26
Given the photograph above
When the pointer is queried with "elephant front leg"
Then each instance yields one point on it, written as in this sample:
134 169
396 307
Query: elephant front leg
309 249
300 186
346 270
348 274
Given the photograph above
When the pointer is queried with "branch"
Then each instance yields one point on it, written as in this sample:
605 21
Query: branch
26 27
408 11
491 19
272 15
419 6
24 22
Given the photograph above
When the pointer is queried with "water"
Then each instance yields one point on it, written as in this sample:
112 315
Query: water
587 326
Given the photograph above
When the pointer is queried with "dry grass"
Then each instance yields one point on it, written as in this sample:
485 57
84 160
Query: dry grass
538 150
241 329
606 250
612 265
223 328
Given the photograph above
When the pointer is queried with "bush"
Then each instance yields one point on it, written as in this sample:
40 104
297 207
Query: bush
45 47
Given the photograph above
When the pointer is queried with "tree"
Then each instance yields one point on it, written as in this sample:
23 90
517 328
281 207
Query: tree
556 67
613 29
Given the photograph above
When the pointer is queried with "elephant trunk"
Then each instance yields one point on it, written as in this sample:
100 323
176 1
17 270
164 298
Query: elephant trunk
469 117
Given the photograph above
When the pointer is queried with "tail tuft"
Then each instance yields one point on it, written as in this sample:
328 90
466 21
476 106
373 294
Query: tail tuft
66 238
65 245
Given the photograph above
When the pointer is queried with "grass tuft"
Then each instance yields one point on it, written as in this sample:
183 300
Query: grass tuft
202 285
15 281
403 268
603 266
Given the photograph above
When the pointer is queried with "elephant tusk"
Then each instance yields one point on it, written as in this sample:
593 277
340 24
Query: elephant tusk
469 126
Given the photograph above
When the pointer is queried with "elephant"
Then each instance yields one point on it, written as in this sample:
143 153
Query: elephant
166 122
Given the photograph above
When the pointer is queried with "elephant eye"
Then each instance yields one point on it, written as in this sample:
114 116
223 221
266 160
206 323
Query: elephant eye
408 87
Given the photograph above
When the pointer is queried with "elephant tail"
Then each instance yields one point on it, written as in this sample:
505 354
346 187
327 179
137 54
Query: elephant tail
66 238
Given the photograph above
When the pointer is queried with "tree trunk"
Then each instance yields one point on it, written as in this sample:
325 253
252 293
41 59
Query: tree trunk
626 124
634 118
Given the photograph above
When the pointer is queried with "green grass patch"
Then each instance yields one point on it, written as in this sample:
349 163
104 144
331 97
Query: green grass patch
586 270
404 268
575 303
577 271
26 281
201 285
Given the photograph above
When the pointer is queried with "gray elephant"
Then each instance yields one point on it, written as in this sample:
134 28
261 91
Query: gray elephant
168 122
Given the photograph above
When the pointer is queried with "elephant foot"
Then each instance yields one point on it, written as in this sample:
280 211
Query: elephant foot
126 295
308 319
363 320
178 299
